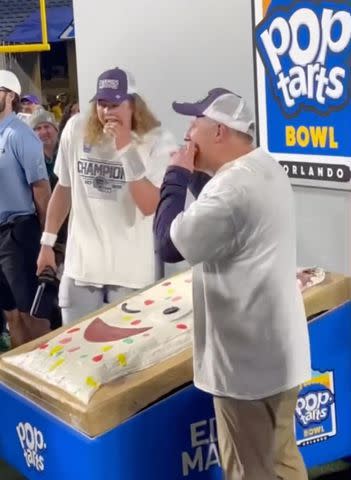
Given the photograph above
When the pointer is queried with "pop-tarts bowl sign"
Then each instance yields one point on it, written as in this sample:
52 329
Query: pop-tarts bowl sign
305 50
315 413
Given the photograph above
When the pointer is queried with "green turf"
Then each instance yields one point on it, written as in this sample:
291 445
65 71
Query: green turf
7 473
335 471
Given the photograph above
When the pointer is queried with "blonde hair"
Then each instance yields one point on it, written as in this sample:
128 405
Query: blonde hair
143 121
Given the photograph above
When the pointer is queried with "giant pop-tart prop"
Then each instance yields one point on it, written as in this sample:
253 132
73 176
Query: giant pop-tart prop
111 396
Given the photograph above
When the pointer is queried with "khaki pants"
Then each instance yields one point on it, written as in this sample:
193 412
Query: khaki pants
257 439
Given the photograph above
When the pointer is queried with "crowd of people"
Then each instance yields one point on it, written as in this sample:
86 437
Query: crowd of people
86 205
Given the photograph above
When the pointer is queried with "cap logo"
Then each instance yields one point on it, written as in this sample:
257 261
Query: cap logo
113 84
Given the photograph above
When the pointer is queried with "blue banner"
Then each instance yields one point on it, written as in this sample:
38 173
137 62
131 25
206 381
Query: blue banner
303 86
59 22
175 439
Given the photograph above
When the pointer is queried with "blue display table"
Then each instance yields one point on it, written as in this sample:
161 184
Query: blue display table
323 413
176 438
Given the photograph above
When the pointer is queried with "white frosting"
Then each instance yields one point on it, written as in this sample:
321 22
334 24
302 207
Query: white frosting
87 355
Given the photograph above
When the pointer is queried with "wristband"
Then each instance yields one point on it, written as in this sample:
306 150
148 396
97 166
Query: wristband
134 168
48 239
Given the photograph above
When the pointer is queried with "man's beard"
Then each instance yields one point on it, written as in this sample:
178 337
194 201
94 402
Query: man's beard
49 143
2 105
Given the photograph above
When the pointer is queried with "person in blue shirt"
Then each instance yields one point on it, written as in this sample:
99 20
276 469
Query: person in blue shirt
24 196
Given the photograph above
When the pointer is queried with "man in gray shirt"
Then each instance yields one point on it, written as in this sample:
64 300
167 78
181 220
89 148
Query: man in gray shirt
251 346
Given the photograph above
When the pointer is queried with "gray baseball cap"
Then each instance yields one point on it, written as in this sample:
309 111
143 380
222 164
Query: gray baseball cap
41 116
223 106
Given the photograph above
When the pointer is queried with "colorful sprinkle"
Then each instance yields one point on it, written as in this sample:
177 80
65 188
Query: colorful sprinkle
122 359
128 341
84 356
167 284
136 322
168 298
64 341
171 291
181 326
97 358
107 348
56 364
43 346
73 349
90 381
176 299
73 330
55 350
148 302
127 318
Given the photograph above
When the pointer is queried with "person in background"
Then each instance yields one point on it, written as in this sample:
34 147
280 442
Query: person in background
25 192
251 345
56 110
45 126
30 103
59 105
71 109
110 166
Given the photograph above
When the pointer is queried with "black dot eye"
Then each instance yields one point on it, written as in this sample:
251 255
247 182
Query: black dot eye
171 310
125 309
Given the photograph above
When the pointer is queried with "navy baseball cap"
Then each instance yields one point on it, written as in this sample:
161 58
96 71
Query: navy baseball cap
115 86
223 106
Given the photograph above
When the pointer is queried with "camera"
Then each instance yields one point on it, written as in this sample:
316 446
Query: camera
46 297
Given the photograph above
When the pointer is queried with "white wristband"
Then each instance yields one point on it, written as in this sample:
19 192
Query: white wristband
134 168
48 239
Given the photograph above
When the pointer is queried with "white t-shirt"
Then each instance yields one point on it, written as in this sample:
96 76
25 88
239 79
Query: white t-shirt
110 242
250 330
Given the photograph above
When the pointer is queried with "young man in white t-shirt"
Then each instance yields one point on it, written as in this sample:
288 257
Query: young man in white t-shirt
109 167
251 346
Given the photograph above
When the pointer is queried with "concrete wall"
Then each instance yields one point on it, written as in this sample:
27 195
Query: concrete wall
179 49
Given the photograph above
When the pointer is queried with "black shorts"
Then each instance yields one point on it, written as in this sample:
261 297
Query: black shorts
19 250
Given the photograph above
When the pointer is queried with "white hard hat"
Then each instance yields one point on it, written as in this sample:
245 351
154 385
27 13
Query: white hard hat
10 81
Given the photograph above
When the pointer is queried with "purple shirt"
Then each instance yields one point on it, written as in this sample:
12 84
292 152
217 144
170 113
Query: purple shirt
176 182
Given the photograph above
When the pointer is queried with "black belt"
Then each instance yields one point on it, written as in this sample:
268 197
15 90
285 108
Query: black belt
15 221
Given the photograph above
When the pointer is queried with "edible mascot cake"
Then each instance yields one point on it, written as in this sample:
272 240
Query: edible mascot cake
138 333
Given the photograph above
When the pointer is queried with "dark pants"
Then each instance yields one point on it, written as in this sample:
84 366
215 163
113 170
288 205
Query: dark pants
19 250
2 322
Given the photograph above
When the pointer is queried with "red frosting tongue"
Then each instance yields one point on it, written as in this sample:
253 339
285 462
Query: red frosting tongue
99 331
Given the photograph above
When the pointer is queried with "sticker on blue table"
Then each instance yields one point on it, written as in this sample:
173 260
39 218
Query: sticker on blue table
315 414
303 87
203 453
33 445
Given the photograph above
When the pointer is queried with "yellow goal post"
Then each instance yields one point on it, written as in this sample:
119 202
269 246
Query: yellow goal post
44 46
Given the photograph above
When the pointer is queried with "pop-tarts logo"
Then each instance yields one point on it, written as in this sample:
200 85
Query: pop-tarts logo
33 445
314 406
315 412
306 50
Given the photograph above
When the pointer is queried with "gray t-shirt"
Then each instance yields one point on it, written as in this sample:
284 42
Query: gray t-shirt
250 330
